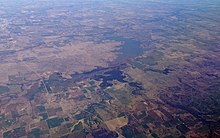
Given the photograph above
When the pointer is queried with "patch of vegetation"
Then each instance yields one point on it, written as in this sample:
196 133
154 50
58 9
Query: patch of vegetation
89 121
148 119
154 135
78 127
182 128
41 108
33 91
145 126
5 122
140 115
204 128
2 117
91 82
49 90
81 115
43 116
167 124
80 86
35 133
91 89
67 119
84 90
54 122
15 133
58 88
121 114
4 89
7 134
8 122
82 97
69 125
127 132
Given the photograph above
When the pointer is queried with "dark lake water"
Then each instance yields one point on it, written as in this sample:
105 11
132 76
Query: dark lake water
110 76
130 48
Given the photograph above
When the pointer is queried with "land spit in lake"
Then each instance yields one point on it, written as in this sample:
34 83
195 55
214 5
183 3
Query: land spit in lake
108 69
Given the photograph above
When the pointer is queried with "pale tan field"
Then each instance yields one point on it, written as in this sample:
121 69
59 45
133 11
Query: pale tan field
76 57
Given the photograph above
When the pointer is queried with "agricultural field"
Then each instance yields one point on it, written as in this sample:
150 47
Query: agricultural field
108 69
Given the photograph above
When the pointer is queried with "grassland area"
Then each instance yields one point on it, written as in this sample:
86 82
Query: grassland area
108 69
